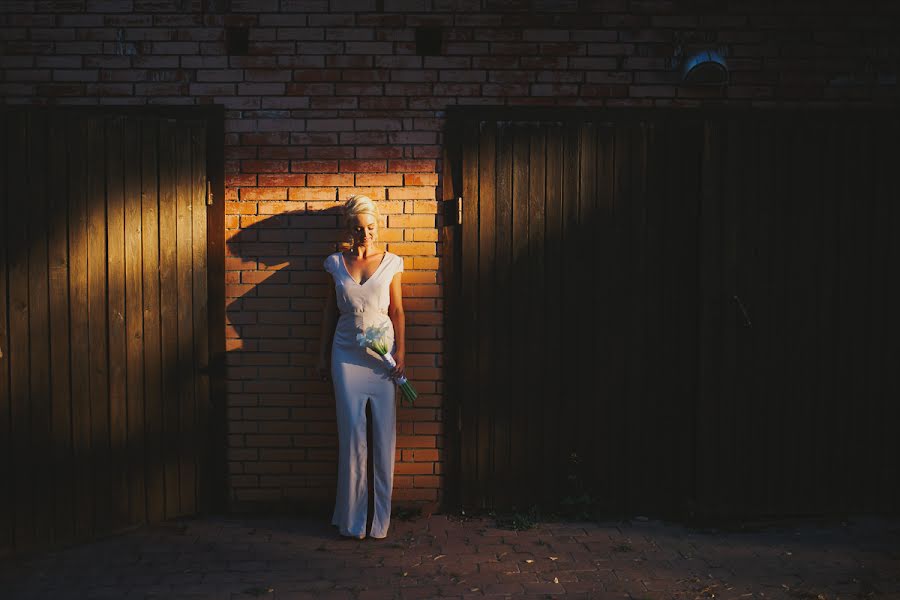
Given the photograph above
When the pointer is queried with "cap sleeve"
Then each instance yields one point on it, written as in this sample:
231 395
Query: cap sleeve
329 263
399 264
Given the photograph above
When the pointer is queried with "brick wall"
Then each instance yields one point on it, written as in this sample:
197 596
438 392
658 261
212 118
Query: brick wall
331 99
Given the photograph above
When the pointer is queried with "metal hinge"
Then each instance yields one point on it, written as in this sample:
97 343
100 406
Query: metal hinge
453 211
209 194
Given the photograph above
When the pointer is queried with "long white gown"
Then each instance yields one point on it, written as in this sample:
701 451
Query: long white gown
361 376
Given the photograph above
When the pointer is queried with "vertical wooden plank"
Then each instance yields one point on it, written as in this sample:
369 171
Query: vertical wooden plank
98 375
846 317
60 387
500 372
884 330
522 289
807 199
889 136
762 175
619 305
115 251
168 293
863 394
471 319
77 150
19 342
200 304
581 468
658 395
185 347
184 299
753 252
602 299
790 333
828 249
636 357
134 457
538 380
554 350
150 286
781 469
708 491
570 265
486 275
6 463
729 392
39 328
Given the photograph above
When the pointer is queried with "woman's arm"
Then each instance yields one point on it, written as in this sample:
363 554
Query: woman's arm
329 322
395 312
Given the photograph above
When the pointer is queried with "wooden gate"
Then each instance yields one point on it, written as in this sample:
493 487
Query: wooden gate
105 266
663 312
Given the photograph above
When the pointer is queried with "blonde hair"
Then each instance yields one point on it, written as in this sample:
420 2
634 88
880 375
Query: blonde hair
359 205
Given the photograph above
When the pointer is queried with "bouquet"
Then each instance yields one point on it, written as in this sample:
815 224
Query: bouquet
374 338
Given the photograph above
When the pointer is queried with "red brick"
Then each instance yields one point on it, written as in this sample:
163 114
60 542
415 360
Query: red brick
412 193
424 494
274 193
410 220
314 166
409 166
281 180
241 180
412 248
365 179
330 179
424 179
264 166
371 166
426 481
380 152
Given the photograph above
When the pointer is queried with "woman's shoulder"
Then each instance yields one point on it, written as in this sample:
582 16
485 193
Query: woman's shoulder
396 259
331 261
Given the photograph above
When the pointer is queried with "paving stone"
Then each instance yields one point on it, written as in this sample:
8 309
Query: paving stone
444 556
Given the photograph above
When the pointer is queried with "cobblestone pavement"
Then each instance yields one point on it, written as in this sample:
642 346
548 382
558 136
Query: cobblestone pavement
449 557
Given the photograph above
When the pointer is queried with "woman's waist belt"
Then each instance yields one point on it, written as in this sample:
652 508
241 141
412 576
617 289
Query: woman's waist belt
365 311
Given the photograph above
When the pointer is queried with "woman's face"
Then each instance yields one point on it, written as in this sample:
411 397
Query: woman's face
364 229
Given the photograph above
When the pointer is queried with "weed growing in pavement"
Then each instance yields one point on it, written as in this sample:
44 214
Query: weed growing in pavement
517 521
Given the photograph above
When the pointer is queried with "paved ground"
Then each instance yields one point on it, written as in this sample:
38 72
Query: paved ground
448 557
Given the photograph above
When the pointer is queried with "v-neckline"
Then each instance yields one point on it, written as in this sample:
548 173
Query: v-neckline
374 273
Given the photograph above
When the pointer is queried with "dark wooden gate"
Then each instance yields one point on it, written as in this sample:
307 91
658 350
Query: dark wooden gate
108 287
675 313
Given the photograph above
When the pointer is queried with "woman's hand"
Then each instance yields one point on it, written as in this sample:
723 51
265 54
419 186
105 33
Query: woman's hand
323 369
400 369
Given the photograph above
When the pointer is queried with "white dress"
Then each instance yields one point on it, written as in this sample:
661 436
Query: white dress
361 376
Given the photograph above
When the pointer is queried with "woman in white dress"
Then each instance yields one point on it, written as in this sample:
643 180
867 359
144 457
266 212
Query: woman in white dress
366 292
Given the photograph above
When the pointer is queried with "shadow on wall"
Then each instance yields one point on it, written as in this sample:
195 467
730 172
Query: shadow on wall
281 417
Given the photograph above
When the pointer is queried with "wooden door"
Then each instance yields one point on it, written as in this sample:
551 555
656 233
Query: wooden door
578 311
105 414
676 313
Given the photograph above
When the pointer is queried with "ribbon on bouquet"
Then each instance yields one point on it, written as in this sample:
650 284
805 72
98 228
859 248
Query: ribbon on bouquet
376 338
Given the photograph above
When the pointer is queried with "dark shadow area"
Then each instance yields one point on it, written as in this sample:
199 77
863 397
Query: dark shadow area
274 321
681 315
441 556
